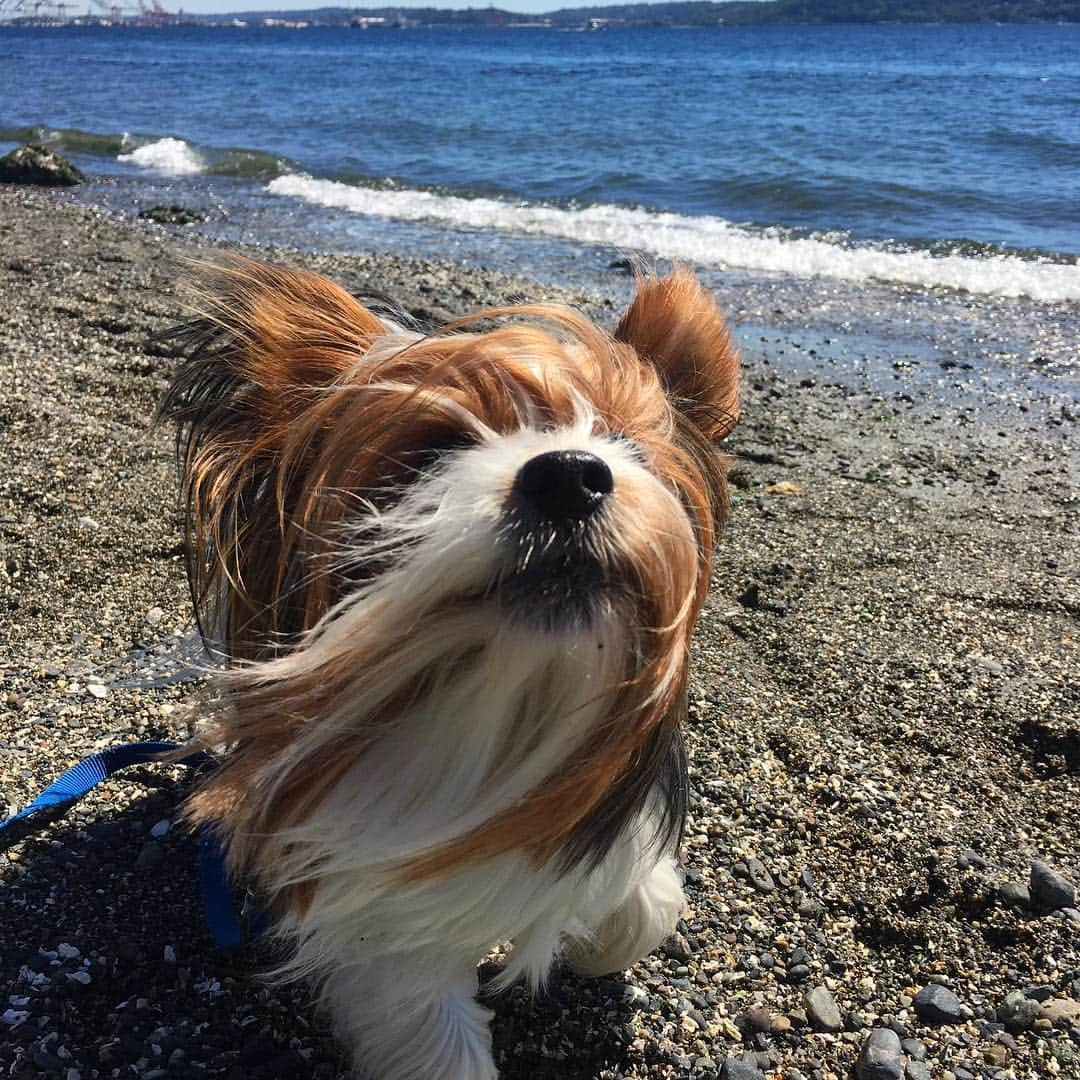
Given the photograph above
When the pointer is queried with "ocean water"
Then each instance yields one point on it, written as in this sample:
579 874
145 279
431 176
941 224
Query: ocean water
929 156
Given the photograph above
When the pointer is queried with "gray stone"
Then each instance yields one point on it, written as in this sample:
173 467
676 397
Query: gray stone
1012 892
1050 889
880 1057
917 1070
37 164
737 1068
822 1010
1018 1012
759 876
939 1005
914 1049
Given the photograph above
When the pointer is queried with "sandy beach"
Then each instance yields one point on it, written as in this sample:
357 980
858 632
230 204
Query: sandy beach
884 729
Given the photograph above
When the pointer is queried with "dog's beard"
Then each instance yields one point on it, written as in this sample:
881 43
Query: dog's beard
470 662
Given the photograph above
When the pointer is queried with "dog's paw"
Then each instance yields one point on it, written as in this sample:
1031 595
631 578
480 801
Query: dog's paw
648 915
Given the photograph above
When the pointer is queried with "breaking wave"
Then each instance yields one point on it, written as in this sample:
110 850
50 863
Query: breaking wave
168 155
704 240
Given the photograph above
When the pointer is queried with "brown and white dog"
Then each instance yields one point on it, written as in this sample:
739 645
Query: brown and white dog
453 577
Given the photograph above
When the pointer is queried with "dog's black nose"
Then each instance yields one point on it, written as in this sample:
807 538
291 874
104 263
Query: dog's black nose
564 485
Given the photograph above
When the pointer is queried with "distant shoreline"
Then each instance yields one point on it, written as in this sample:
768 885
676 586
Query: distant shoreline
680 14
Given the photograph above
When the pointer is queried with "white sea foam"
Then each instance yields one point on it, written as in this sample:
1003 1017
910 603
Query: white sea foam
701 240
166 156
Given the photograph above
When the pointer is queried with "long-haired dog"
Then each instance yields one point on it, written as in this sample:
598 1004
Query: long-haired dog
454 578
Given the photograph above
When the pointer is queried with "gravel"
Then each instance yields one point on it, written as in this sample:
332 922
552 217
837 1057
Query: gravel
885 682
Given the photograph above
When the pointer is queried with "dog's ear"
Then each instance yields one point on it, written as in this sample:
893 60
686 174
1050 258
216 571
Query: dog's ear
250 404
267 336
674 324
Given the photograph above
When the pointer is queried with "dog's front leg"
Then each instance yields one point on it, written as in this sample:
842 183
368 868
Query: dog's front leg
622 937
412 1018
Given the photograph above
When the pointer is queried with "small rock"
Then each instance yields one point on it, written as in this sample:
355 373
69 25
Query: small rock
97 690
798 972
171 214
757 1019
149 856
736 1068
161 828
1063 1010
938 1005
37 164
154 616
1050 889
970 859
917 1070
168 954
676 947
67 952
914 1048
82 977
822 1010
779 1025
880 1057
1012 892
760 877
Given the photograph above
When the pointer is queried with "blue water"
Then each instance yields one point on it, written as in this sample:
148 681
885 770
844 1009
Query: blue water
948 144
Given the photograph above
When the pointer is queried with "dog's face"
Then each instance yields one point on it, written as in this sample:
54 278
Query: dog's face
376 514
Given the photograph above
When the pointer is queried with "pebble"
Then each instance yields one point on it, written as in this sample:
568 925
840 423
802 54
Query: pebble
759 876
737 1068
67 952
161 828
939 1005
1050 889
1013 892
1018 1012
880 1057
822 1010
914 1048
1062 1010
917 1070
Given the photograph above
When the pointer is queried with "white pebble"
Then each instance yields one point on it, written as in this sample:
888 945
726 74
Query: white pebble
96 690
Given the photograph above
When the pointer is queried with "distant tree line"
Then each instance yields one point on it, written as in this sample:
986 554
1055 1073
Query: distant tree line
707 13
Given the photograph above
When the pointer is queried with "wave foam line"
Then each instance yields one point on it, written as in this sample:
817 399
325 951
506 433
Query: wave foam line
167 155
702 240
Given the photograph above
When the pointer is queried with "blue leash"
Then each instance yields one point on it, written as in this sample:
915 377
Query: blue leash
229 928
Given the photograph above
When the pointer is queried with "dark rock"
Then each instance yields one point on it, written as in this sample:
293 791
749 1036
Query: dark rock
822 1010
756 1019
1012 892
939 1005
37 164
880 1057
172 214
1049 889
